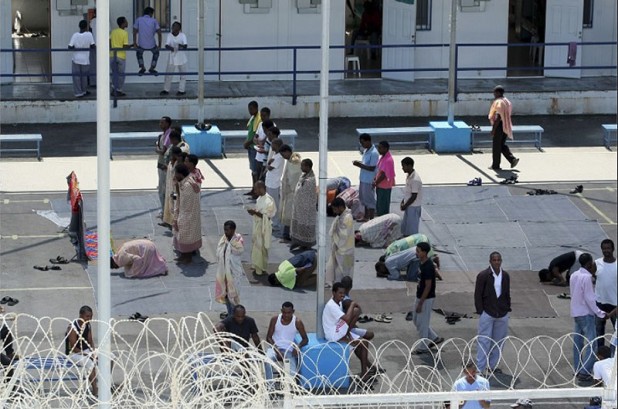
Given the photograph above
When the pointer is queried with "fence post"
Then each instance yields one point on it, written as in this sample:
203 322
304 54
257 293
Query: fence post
294 62
456 66
115 78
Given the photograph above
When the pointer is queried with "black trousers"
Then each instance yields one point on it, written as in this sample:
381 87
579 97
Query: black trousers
499 146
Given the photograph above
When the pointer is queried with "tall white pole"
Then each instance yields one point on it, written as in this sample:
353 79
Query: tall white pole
103 203
451 63
323 142
200 60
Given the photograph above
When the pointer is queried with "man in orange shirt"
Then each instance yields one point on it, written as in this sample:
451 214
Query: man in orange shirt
502 128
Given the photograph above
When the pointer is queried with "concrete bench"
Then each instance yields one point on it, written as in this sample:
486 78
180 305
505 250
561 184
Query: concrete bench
535 130
235 139
609 135
426 131
47 369
18 138
151 137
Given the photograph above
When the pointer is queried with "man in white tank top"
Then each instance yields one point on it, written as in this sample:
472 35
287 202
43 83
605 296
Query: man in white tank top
281 333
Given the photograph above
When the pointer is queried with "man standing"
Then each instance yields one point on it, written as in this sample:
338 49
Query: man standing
341 261
304 214
241 327
583 310
470 382
119 38
282 330
501 128
425 296
263 213
274 171
289 180
187 225
605 288
176 42
492 300
81 59
252 125
384 180
412 198
229 266
163 143
367 167
144 30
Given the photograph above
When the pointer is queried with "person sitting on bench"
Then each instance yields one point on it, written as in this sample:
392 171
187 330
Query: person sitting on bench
560 264
241 327
337 327
282 331
297 271
347 284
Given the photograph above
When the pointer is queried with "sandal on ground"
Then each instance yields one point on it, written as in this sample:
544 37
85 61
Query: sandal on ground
138 317
11 301
5 300
59 260
383 318
410 316
223 315
45 268
54 267
564 296
364 319
419 352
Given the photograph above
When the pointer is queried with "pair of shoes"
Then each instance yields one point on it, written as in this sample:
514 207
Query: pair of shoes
476 182
496 169
475 128
410 316
419 351
164 92
514 163
138 317
47 268
141 71
578 189
153 71
83 94
509 181
180 93
539 192
564 296
87 93
436 342
118 94
59 260
223 315
387 319
581 377
365 319
10 301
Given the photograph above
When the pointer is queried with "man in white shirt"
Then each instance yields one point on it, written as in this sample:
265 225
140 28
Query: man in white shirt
337 328
471 381
602 369
412 198
282 331
81 59
176 42
605 289
274 171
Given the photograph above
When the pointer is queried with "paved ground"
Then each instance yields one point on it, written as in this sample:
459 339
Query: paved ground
466 220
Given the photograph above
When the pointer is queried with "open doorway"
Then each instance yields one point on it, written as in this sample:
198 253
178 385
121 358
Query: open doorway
31 30
363 27
526 26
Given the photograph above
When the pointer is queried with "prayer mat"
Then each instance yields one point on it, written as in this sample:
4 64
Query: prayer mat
375 301
259 280
91 240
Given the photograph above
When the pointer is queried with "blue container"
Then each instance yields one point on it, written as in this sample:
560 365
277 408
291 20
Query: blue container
203 143
324 364
448 139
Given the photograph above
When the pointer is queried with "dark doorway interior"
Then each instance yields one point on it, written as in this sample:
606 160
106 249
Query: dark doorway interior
370 59
526 26
31 31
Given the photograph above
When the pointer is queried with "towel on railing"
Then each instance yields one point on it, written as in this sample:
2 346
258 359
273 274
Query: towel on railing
572 55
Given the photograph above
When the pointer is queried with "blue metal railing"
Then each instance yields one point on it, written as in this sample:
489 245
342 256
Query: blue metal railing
295 71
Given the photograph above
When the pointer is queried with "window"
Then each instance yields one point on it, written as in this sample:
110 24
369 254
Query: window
588 13
162 11
423 15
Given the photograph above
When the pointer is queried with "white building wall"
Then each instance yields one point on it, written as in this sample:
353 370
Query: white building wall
487 26
603 29
6 42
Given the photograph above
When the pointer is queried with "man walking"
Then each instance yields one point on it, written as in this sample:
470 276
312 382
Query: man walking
492 299
384 180
144 30
583 310
81 59
605 288
425 295
501 128
412 198
367 167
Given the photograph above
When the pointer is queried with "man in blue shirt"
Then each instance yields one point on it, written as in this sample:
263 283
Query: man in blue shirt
472 382
144 30
367 165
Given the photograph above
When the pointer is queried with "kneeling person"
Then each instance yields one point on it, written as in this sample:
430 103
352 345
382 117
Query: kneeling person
297 271
140 259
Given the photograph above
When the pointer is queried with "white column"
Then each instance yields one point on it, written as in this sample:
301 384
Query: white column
200 60
103 203
451 63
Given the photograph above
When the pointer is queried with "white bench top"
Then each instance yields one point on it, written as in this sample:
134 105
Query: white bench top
516 129
609 127
133 135
396 131
243 133
22 137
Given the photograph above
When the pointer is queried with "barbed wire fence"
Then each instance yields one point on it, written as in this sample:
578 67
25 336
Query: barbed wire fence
183 363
